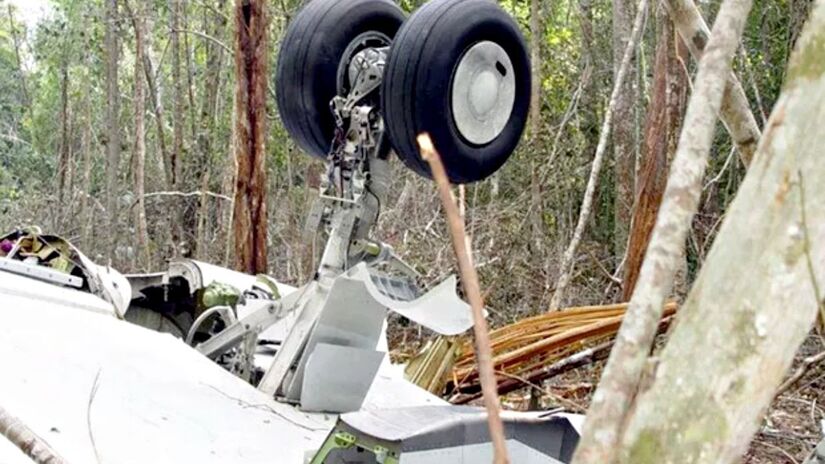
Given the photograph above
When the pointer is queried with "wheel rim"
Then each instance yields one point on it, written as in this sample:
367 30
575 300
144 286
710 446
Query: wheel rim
484 92
346 74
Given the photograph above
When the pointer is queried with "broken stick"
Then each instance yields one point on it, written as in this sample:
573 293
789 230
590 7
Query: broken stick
24 438
469 280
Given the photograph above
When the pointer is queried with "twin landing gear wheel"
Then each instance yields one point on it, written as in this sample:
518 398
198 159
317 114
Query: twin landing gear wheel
457 69
315 53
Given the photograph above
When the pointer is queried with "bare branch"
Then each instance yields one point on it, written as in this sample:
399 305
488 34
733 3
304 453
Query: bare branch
24 438
469 280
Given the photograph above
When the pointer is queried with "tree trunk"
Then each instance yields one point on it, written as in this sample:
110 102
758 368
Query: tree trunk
757 296
658 146
624 127
177 205
620 380
209 108
566 267
735 110
177 111
251 77
63 170
112 129
157 109
17 42
140 140
536 35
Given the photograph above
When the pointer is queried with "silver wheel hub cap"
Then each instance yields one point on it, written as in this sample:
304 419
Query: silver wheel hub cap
484 92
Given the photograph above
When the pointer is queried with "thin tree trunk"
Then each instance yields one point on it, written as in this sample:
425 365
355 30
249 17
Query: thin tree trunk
177 111
177 205
157 110
140 138
63 158
658 146
624 127
190 71
566 267
251 77
17 42
112 129
24 438
207 122
536 35
203 214
622 374
735 110
87 148
705 405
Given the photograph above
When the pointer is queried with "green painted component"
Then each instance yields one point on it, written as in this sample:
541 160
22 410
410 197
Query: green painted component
269 283
345 440
383 456
218 294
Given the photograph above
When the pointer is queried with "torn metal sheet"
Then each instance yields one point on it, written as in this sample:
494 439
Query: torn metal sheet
440 309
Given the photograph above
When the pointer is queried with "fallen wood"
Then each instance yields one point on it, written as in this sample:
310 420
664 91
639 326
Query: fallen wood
531 344
535 376
582 358
24 438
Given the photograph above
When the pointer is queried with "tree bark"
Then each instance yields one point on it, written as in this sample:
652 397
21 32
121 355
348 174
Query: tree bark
661 136
64 161
157 109
735 110
251 77
209 109
112 129
140 138
176 211
17 42
736 328
624 127
566 267
617 389
177 112
536 35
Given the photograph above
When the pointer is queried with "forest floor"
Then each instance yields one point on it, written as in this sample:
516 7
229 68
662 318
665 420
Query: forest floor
793 426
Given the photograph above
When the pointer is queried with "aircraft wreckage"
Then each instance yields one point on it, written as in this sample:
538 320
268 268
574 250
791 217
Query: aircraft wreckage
245 369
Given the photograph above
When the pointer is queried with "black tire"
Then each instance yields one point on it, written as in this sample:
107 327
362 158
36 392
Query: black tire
417 87
307 72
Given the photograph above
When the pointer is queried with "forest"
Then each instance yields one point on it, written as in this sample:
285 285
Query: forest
671 154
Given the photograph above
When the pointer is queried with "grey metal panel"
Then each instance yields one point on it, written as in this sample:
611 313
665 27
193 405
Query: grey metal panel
477 453
349 317
423 428
337 378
